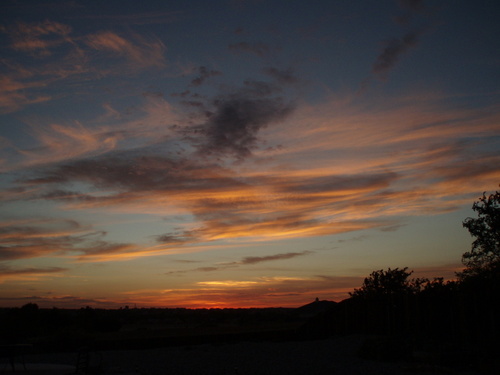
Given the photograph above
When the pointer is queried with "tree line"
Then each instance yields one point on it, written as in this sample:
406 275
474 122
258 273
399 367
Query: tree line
455 322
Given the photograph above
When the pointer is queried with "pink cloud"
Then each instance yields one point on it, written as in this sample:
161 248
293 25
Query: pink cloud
15 94
38 38
142 53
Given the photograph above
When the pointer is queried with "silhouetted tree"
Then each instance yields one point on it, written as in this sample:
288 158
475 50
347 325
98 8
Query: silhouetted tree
391 282
479 282
484 256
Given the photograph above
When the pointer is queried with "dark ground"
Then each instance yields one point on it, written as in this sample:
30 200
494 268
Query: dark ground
224 341
337 355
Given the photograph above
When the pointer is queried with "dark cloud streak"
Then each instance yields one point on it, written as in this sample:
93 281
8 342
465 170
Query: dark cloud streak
131 173
268 258
8 271
396 47
178 238
392 52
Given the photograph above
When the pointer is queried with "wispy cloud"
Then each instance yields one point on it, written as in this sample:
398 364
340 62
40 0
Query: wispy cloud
268 258
30 273
63 142
31 238
34 238
15 93
37 38
78 58
60 142
249 260
142 53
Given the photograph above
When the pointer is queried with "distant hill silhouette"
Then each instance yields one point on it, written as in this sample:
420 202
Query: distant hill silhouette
318 319
315 308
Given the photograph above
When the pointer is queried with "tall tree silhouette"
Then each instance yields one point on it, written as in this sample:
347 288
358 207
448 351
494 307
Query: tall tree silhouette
484 256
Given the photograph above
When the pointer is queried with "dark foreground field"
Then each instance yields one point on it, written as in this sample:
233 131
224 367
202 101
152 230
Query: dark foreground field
306 340
337 355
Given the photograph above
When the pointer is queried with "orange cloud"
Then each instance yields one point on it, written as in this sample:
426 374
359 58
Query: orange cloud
21 82
396 173
59 142
28 274
31 238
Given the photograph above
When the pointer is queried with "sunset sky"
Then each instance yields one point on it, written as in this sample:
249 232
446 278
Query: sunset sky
239 153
